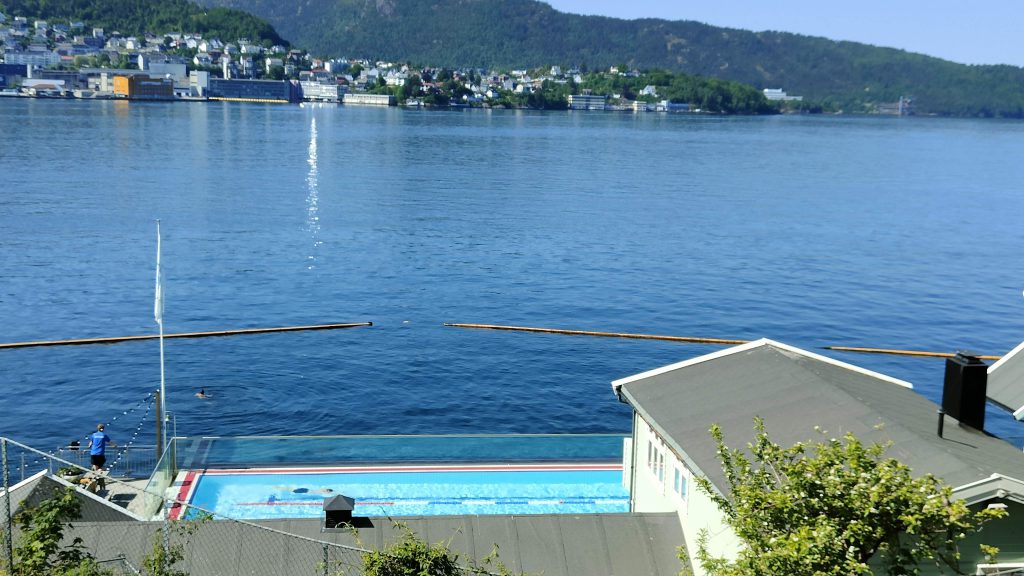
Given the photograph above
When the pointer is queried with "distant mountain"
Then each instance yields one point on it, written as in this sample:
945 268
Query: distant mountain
136 17
526 33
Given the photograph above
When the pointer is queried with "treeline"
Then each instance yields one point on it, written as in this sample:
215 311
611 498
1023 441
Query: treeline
494 34
137 17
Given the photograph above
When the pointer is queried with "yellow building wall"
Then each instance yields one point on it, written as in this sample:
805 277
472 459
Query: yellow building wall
122 86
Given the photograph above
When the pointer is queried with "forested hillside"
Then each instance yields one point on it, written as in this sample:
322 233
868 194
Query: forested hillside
527 33
135 17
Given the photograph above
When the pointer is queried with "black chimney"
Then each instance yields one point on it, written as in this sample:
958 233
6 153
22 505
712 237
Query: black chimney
964 389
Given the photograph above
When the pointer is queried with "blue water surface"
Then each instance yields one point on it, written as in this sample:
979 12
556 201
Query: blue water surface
886 232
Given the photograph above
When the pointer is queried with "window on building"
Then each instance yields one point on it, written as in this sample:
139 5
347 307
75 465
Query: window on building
679 482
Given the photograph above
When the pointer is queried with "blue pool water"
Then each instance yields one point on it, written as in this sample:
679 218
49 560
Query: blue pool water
434 493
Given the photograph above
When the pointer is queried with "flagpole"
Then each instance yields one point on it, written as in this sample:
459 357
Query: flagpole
158 315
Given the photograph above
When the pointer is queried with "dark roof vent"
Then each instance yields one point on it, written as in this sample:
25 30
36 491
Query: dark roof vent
338 511
964 389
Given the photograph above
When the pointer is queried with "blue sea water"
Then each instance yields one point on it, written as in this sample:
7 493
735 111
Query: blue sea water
886 232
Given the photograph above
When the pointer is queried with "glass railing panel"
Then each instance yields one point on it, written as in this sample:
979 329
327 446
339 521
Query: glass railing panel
163 474
253 452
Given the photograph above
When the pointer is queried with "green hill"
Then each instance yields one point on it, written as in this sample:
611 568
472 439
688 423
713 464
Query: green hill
527 33
136 17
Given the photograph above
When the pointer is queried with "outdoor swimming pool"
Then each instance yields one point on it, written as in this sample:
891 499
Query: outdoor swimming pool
409 490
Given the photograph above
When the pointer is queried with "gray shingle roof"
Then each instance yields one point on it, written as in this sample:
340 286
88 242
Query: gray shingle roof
795 391
553 545
42 485
1006 382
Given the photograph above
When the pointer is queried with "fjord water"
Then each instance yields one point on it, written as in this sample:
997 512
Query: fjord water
886 232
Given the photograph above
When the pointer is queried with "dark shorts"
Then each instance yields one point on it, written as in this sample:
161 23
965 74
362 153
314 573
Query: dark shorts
98 460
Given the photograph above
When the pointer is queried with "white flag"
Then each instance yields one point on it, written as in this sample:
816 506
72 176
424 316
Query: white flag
158 301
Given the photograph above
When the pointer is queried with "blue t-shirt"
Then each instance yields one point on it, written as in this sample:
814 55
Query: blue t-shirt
99 441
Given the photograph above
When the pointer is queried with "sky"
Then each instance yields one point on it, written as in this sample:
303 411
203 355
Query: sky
975 32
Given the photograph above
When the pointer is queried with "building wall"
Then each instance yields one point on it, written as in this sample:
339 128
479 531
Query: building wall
121 87
42 59
587 102
1004 533
11 74
653 472
369 99
318 91
199 82
661 481
143 88
250 90
703 515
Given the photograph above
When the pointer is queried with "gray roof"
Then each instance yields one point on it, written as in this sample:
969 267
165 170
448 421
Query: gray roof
554 545
42 485
795 391
1006 382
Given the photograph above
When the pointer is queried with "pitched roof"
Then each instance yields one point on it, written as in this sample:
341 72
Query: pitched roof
42 485
1006 382
555 545
795 391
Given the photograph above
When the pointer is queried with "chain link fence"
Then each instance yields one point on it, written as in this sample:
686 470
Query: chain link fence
124 540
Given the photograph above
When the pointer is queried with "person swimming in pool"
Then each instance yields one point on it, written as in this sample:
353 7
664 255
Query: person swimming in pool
314 491
301 490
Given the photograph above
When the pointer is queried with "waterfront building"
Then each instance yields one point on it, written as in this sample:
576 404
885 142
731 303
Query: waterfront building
12 74
70 78
199 83
321 91
798 394
43 87
777 94
369 99
142 87
587 101
669 106
240 90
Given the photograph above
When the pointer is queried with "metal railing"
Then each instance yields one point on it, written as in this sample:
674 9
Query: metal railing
194 547
229 545
136 461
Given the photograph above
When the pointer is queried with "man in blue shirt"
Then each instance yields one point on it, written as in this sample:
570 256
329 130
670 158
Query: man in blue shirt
98 441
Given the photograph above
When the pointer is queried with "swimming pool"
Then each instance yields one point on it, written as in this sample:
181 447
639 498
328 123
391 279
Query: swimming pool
409 490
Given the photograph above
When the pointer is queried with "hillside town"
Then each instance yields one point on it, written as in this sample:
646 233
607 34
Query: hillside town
68 60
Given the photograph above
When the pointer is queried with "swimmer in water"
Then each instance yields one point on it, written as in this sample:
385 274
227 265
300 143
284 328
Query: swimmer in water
202 393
